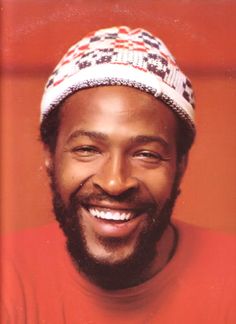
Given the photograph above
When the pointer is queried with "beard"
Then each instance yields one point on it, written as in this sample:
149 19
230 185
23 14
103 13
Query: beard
121 274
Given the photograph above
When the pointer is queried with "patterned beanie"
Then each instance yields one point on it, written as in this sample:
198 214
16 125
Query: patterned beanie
122 56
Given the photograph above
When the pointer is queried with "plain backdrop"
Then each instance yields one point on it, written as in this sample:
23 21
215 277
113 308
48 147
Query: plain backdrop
202 37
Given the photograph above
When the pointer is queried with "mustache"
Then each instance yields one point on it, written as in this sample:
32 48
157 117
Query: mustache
131 199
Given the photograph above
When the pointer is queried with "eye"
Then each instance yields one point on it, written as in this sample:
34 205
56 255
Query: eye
149 156
85 151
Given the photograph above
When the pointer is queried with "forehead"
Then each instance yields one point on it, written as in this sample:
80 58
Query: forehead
117 109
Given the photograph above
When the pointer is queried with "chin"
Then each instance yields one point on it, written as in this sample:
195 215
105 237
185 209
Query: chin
112 251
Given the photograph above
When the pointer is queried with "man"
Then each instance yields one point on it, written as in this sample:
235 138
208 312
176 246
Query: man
117 124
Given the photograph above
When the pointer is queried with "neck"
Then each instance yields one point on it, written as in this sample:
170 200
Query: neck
165 250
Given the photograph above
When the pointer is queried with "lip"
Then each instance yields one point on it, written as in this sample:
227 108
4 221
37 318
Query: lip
111 207
112 228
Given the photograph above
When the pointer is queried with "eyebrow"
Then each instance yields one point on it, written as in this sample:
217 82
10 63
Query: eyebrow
139 139
90 134
142 139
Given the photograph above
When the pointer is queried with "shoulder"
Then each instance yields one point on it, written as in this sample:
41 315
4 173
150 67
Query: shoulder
33 265
207 243
209 256
205 268
209 266
209 250
31 239
28 249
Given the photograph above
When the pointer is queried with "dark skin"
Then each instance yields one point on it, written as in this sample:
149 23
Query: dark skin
116 140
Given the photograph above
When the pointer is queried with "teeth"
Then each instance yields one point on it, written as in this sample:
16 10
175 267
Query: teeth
93 212
110 215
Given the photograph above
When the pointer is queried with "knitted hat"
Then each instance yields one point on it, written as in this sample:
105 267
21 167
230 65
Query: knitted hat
121 56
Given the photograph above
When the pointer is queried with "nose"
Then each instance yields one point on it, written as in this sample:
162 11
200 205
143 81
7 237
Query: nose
115 177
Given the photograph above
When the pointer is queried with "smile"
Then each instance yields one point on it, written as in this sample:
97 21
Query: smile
113 220
113 215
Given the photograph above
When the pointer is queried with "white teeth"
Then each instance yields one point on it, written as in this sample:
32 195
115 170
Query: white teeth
110 215
93 212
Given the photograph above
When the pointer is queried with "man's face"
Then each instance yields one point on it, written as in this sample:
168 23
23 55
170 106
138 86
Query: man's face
114 170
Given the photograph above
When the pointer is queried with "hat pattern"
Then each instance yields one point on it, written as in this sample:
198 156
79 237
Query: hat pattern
128 50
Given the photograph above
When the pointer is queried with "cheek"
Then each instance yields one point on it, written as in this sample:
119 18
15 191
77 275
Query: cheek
159 182
70 174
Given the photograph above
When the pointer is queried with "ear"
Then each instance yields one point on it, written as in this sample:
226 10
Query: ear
181 166
48 160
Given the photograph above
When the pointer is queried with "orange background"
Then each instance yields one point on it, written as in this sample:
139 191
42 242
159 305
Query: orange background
202 36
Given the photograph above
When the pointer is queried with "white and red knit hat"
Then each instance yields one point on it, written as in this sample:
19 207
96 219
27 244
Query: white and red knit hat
121 56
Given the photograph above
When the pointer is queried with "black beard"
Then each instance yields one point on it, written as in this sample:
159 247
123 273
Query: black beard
128 272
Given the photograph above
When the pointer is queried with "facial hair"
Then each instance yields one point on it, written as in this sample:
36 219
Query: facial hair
118 275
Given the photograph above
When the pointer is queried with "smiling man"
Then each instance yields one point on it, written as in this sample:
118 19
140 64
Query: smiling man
117 124
119 153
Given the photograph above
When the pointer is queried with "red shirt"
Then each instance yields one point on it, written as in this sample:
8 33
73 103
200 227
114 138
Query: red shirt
41 284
